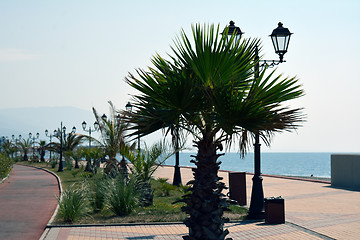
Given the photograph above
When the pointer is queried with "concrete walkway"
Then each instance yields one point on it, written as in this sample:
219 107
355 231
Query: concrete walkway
313 210
27 202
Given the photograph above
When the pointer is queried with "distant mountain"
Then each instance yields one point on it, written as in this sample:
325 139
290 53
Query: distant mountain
25 120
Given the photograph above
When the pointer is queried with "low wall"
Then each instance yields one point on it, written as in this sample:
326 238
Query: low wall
345 170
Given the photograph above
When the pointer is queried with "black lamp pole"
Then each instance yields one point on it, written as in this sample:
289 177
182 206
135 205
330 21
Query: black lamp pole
280 38
62 134
177 174
256 210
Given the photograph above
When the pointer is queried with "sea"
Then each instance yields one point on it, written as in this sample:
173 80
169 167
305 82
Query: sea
303 164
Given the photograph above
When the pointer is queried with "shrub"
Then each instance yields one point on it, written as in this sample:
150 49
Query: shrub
97 193
5 165
73 204
165 187
53 163
122 196
75 172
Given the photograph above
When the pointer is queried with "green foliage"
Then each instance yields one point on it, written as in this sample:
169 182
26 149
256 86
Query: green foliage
87 175
73 204
53 163
98 189
75 172
5 165
144 164
113 138
93 156
69 162
77 155
122 196
24 145
165 187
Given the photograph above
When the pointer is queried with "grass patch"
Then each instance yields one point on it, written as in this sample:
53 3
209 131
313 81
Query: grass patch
162 210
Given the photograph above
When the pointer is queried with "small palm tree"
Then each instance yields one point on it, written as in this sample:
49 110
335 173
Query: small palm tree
42 149
144 164
113 140
208 88
93 156
77 155
24 145
8 148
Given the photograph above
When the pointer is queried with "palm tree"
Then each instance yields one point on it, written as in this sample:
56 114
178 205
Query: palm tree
208 88
42 148
8 148
70 142
93 155
143 165
113 139
77 155
24 145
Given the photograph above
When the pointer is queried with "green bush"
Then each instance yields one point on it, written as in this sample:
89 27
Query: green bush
165 187
69 164
5 165
97 193
53 163
73 204
122 196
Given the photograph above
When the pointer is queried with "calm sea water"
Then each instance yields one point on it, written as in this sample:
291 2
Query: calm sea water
288 164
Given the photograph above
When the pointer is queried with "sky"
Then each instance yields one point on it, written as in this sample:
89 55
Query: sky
78 53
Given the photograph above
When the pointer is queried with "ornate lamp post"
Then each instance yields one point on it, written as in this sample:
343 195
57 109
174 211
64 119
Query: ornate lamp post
14 139
280 38
62 134
49 136
33 138
89 130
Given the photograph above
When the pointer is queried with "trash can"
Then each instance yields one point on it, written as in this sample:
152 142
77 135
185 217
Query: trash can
274 210
237 187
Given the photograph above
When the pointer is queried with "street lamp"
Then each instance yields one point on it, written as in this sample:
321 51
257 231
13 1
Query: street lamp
89 130
280 38
49 136
33 138
128 108
62 134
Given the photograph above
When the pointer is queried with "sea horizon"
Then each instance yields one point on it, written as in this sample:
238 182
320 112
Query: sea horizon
304 164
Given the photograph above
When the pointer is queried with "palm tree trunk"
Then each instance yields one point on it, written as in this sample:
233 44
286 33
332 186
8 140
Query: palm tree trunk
206 204
112 167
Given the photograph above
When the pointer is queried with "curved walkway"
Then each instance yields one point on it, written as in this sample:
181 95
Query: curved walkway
27 202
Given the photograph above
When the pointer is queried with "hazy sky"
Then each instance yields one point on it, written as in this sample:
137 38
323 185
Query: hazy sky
77 53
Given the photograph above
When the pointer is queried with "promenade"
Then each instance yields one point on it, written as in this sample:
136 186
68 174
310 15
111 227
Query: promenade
313 210
27 202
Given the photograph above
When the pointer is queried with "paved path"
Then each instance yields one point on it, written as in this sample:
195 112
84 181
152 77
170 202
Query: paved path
313 211
27 202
